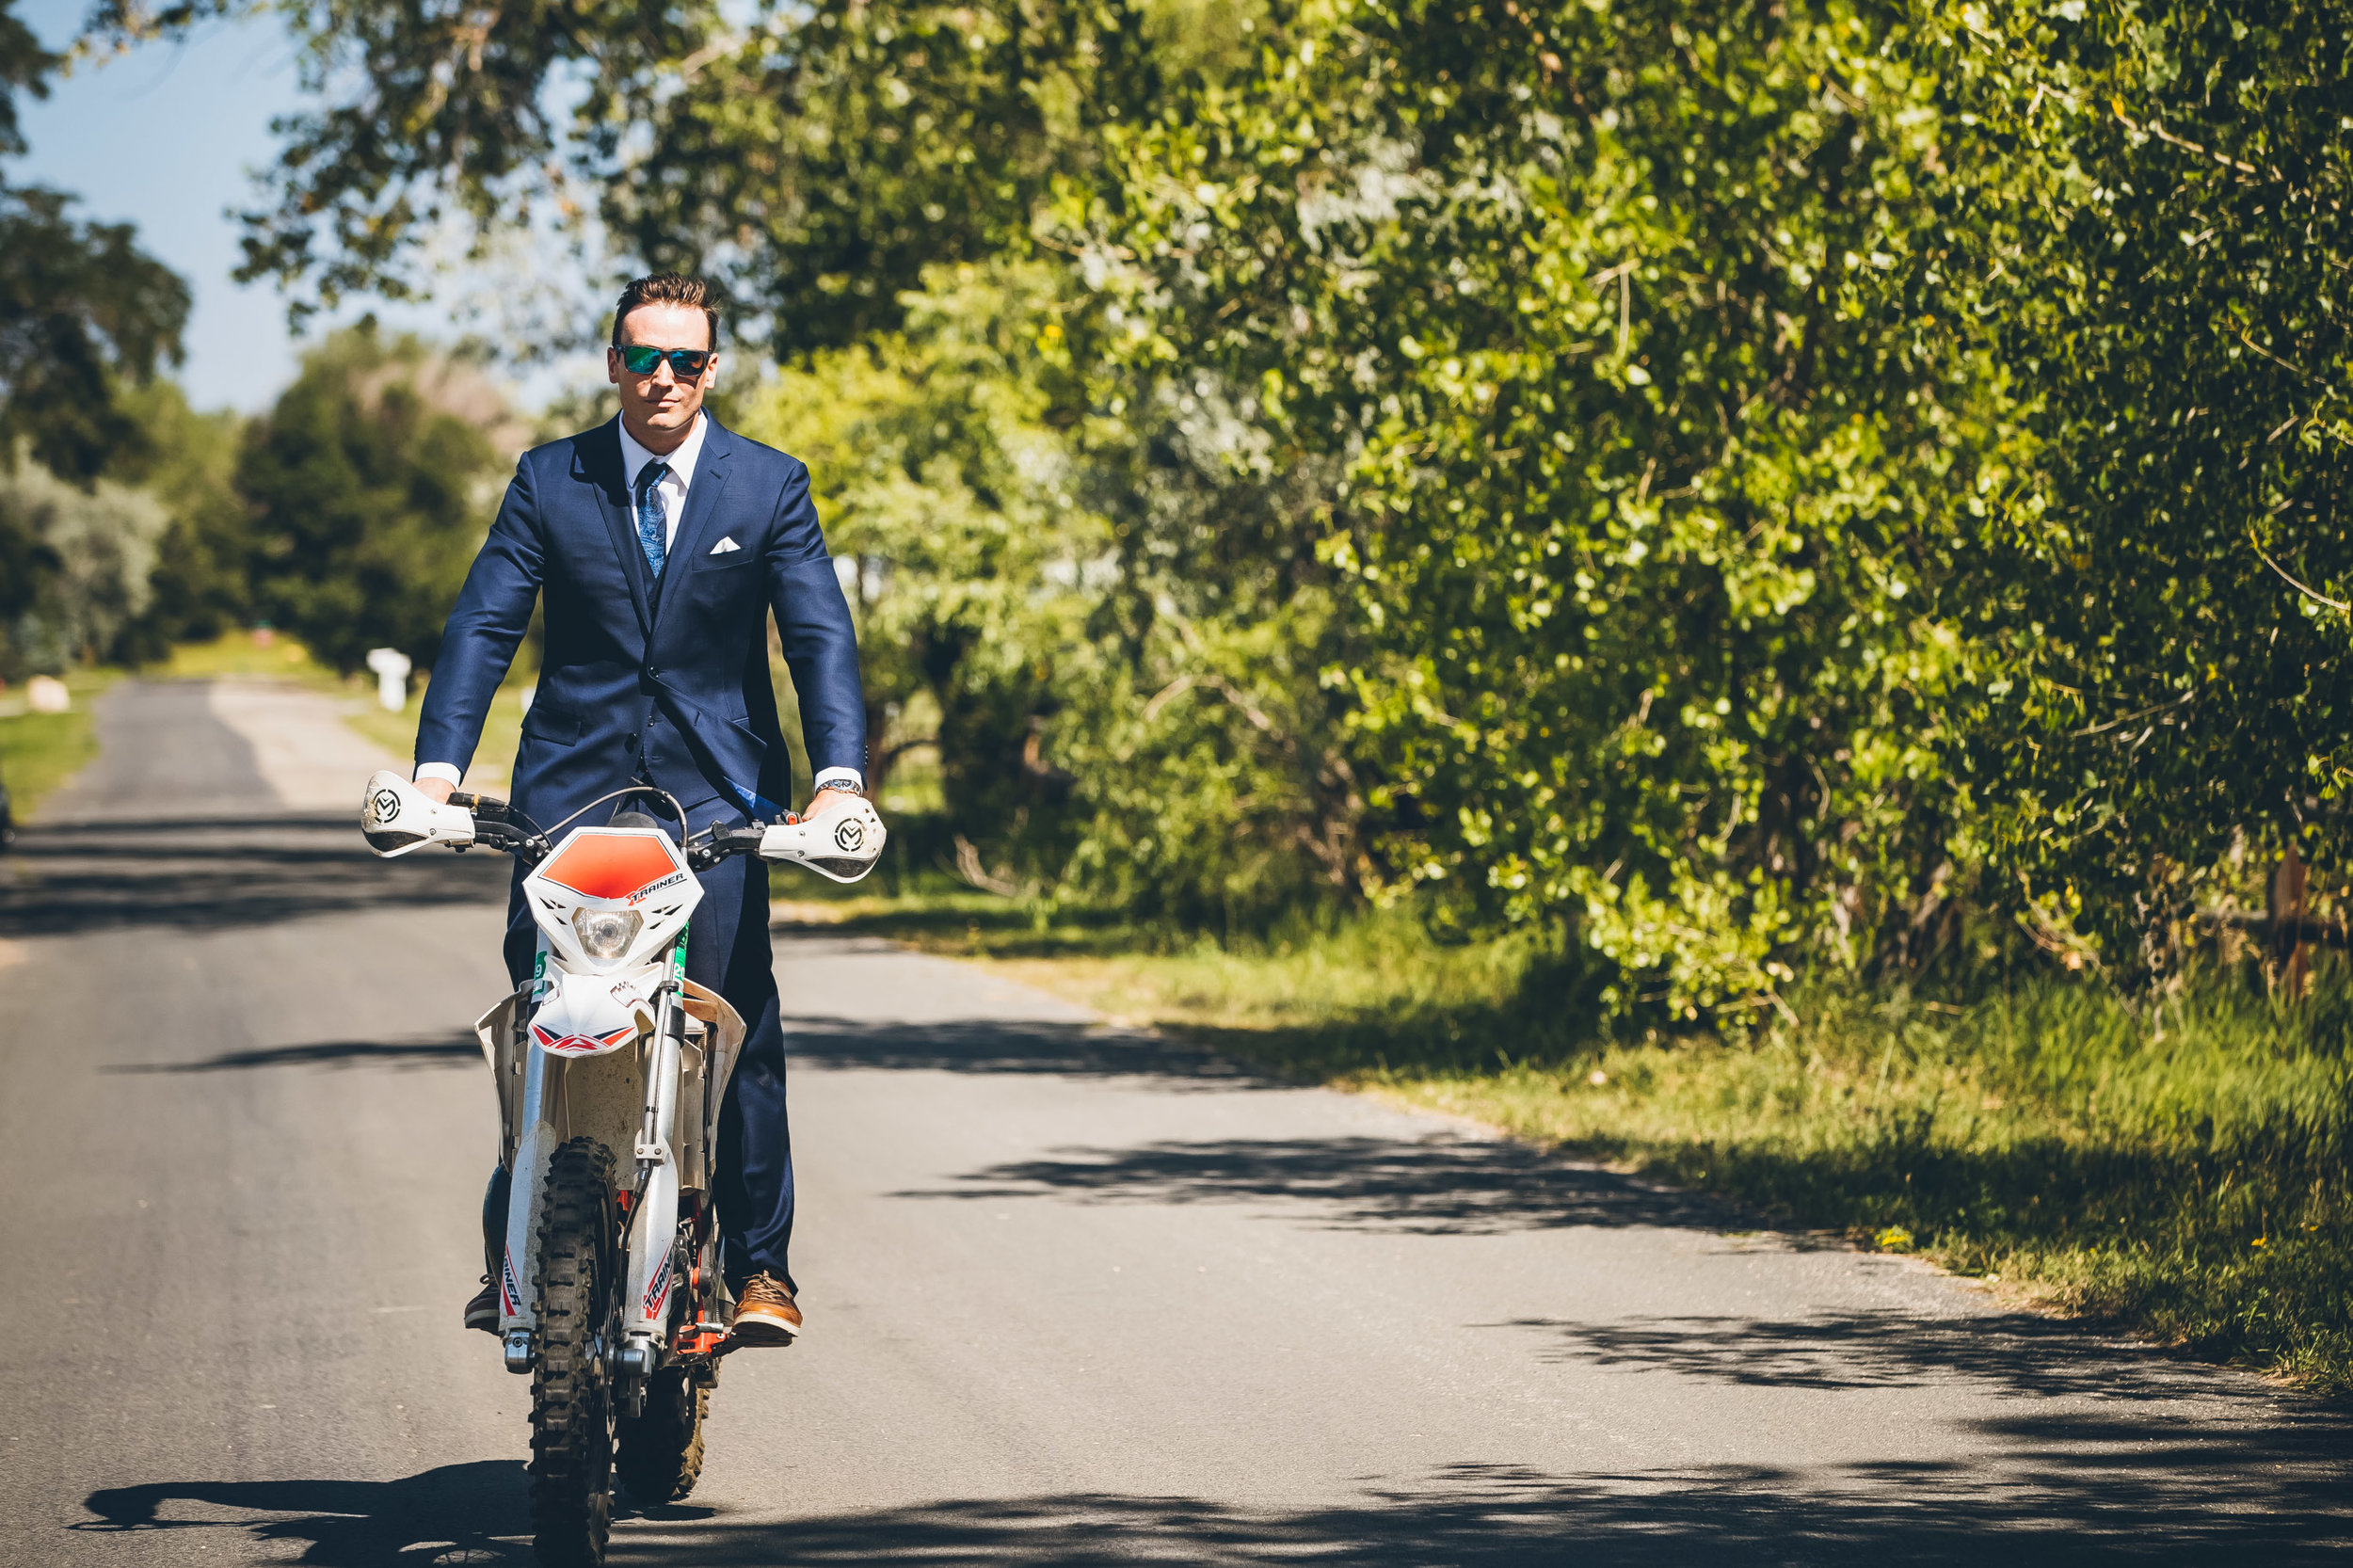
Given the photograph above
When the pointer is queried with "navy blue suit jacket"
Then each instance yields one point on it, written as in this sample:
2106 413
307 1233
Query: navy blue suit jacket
665 679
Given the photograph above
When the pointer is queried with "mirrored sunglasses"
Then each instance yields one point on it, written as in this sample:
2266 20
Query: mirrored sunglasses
642 359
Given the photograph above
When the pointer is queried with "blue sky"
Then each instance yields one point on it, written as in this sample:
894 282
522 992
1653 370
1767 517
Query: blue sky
165 137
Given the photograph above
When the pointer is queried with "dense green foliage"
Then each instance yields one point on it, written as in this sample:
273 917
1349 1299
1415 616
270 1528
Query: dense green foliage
1649 587
1748 483
2159 231
369 486
77 569
187 461
1097 626
346 515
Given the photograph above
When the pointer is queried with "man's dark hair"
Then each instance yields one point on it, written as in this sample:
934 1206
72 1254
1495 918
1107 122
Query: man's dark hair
666 288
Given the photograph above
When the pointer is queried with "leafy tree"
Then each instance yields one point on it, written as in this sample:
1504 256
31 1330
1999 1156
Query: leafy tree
1649 482
948 500
817 158
829 160
1975 448
188 462
82 307
2159 199
79 560
1071 606
83 313
371 484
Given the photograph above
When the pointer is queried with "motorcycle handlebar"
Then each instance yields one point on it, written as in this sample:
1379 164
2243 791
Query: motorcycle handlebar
396 818
723 842
494 828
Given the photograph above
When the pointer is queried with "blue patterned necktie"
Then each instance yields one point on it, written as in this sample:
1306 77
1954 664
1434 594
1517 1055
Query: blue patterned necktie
650 517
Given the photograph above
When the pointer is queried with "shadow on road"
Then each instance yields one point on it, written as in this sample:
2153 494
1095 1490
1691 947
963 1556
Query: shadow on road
2012 1352
1440 1185
1020 1045
452 1514
430 1050
2052 1491
77 877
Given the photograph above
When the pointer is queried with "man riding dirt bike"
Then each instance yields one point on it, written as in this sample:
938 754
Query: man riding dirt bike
660 542
611 1067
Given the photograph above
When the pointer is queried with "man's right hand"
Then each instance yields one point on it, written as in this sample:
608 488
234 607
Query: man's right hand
439 789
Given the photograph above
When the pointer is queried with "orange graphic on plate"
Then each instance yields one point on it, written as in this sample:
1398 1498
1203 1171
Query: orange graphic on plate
611 865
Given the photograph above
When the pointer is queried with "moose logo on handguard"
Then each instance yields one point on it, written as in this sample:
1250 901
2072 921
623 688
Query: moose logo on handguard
849 836
385 805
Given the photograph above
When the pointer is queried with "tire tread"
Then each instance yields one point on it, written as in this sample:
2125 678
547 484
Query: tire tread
571 1442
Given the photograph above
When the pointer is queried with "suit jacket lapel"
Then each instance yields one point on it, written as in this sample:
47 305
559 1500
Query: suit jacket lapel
600 464
702 502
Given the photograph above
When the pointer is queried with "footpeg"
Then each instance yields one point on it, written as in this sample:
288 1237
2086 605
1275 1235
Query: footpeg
702 1338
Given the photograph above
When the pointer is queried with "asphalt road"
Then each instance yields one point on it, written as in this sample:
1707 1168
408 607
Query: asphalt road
1074 1296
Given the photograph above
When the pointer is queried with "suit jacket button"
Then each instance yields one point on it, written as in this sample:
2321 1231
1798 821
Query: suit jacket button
653 672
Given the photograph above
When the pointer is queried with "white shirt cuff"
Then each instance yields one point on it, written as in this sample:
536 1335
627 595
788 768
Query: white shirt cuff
442 771
851 776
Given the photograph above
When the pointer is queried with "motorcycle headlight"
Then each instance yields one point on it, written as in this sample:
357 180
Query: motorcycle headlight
605 934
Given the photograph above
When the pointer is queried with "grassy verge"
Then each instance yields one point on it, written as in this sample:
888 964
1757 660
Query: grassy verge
40 751
2179 1170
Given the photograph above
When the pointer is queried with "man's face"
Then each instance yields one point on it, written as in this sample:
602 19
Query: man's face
660 403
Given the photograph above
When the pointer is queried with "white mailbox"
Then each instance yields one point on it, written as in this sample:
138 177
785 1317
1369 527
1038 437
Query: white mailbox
392 677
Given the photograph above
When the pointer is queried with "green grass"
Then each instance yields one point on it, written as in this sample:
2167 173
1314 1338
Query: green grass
240 653
40 751
2179 1169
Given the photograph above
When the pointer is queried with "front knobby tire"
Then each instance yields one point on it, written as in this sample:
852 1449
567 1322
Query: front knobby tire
572 1391
661 1452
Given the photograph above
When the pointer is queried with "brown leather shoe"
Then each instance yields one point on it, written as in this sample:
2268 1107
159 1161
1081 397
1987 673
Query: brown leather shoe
765 1313
483 1311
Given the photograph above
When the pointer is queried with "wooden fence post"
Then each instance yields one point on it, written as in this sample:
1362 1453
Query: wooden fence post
2287 921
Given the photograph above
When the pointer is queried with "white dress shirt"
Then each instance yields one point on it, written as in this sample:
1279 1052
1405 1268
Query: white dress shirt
671 490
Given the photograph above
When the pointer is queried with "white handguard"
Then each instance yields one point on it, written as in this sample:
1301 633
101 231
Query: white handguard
840 846
397 817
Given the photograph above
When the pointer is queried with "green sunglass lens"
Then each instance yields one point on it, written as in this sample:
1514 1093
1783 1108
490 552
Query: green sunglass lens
641 360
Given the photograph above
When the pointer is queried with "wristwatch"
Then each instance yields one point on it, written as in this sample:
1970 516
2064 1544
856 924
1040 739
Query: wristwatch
835 784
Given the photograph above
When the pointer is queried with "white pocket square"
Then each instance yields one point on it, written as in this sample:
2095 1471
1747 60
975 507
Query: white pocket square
723 546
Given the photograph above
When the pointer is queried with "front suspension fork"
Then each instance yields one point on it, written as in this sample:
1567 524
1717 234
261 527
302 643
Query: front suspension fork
652 1226
519 1318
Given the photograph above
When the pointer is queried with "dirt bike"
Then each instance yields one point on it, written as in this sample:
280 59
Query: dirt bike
611 1067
